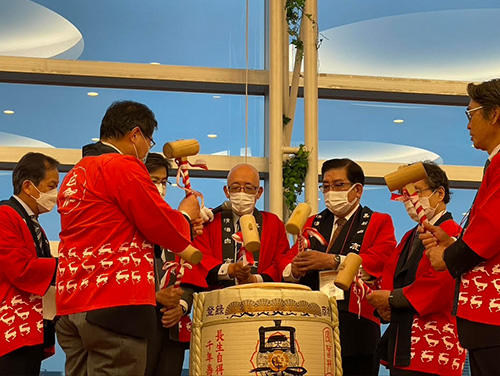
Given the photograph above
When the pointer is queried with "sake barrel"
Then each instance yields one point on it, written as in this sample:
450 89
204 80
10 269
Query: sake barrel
265 329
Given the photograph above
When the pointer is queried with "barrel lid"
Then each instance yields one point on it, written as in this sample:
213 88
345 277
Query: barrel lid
271 285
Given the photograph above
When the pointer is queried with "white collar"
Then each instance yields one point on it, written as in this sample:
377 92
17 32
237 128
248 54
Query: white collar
25 206
436 217
494 152
112 146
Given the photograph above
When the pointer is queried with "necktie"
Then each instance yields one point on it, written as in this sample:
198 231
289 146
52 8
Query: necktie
38 231
340 225
486 166
237 246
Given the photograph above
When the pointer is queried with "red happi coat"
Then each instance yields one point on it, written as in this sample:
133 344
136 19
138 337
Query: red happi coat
378 243
111 212
435 347
24 278
274 245
479 298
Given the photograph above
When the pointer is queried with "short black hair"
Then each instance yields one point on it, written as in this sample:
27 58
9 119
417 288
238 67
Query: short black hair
487 94
123 116
32 167
355 173
436 178
154 161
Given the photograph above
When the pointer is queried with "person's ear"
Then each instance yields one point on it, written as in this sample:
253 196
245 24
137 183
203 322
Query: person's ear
359 190
259 193
134 133
441 193
27 187
495 115
226 191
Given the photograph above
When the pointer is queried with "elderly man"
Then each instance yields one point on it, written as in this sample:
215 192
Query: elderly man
474 258
347 227
220 253
417 300
27 268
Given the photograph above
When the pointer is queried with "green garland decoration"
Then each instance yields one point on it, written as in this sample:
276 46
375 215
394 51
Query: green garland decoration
294 176
294 10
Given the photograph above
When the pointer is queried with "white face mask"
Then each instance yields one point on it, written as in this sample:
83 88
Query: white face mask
242 203
162 189
410 209
429 211
46 201
338 203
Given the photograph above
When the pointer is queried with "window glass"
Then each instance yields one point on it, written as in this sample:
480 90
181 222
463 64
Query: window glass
386 38
392 132
66 117
187 32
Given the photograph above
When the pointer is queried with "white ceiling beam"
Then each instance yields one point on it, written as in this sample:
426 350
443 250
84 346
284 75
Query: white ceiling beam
130 76
219 165
221 80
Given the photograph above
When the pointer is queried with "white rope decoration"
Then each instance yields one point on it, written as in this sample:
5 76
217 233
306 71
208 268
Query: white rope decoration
195 359
336 337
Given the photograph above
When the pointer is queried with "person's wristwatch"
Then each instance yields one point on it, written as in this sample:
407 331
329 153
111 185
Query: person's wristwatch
184 309
391 299
336 258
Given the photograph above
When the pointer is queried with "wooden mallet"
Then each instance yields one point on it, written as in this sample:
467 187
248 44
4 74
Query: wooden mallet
180 150
403 179
297 221
250 233
249 238
298 218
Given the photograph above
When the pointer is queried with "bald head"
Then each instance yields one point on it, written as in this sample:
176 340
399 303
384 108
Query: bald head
243 176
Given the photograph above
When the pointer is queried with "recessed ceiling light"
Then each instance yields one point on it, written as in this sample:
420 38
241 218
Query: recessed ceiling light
92 94
216 97
154 63
399 121
211 135
95 139
8 112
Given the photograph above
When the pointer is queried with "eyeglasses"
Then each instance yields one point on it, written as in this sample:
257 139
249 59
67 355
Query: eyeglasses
158 181
419 191
247 188
334 187
468 112
152 143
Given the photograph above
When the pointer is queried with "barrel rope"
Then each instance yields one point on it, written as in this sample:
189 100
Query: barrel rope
196 345
336 337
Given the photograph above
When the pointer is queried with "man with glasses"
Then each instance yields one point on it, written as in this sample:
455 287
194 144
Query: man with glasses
417 300
111 213
347 227
220 252
474 258
167 346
